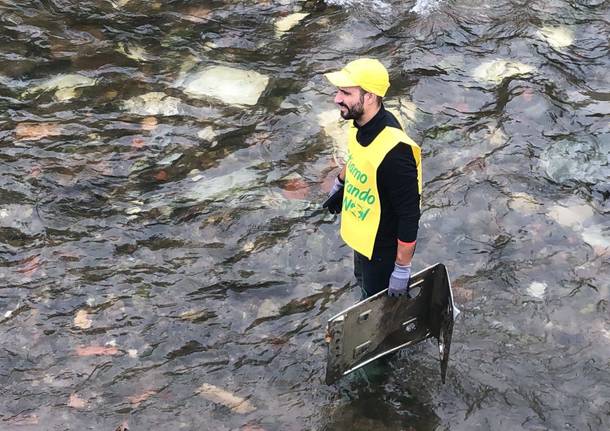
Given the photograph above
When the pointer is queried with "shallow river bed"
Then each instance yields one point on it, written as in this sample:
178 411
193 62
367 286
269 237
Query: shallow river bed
164 259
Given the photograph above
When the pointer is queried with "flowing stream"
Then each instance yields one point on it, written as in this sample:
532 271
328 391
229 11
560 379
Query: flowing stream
164 260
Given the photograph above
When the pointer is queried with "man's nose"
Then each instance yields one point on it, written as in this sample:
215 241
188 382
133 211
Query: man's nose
338 98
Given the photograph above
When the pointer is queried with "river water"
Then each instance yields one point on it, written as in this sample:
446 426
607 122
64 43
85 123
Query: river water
162 254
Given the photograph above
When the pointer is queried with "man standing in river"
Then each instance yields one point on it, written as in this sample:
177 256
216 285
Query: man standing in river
378 191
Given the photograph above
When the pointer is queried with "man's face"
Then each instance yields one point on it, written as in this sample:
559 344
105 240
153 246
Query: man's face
351 102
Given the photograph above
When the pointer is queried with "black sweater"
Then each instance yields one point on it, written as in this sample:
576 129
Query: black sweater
397 184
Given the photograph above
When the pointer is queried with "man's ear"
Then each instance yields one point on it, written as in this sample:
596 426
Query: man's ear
371 97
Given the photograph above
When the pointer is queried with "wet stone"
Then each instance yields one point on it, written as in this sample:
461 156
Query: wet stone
154 103
286 23
227 84
557 37
570 216
222 250
537 289
221 396
495 71
65 86
134 52
335 128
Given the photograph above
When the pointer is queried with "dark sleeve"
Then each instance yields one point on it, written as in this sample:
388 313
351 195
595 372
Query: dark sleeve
398 181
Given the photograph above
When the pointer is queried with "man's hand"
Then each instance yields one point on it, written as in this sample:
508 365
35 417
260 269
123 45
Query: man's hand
334 203
399 280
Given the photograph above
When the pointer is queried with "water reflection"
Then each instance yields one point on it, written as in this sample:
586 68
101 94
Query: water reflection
158 243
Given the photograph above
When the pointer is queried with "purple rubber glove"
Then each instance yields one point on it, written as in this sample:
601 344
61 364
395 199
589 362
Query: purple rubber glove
337 185
399 280
334 203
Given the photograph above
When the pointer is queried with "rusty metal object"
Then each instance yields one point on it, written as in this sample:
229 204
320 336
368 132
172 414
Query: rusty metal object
380 325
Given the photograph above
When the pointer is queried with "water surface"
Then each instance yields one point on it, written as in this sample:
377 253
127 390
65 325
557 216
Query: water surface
149 249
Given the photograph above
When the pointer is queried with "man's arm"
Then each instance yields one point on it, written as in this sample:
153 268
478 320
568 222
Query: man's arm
342 173
405 252
334 203
401 184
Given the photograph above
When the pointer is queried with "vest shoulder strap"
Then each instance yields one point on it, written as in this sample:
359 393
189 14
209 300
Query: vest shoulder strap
401 136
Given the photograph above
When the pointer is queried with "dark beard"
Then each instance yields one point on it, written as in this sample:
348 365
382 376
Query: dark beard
355 112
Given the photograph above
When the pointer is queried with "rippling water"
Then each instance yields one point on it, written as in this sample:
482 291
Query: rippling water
153 246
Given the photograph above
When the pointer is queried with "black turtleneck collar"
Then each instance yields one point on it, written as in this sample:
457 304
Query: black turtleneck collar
367 133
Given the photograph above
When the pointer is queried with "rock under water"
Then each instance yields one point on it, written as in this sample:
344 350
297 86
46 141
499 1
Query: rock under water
557 37
154 103
229 85
496 70
286 23
65 86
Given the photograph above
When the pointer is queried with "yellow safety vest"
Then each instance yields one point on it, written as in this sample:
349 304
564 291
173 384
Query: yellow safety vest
361 210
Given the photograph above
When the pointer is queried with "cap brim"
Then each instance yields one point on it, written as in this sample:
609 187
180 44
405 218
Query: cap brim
341 79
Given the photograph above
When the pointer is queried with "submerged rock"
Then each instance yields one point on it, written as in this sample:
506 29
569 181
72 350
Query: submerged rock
222 186
207 134
169 160
557 37
537 289
289 206
117 4
230 85
425 7
218 395
35 131
294 187
76 402
497 137
571 216
335 128
82 320
268 308
149 123
133 51
587 161
65 86
155 103
286 23
524 203
196 14
496 70
97 350
598 237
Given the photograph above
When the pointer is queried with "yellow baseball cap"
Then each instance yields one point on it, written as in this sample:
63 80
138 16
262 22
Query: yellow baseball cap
367 73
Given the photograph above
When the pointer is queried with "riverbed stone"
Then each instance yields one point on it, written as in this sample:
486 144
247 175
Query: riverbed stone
133 51
230 85
572 216
537 289
118 4
524 203
598 237
65 85
286 23
557 37
495 71
154 103
335 128
267 308
207 134
584 160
